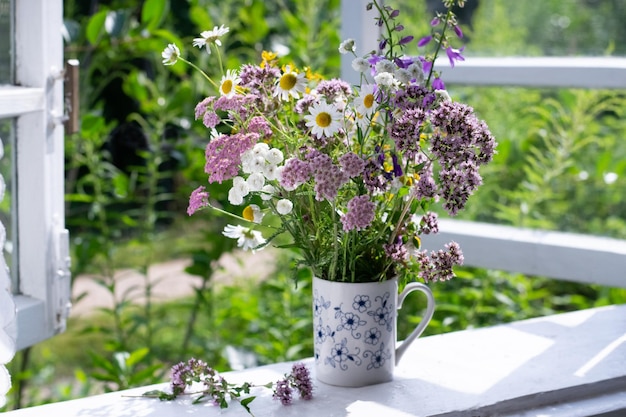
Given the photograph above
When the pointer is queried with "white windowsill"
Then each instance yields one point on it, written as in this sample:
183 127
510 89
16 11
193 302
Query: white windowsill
571 364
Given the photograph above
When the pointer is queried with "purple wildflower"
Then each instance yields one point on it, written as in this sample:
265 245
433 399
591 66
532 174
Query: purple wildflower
429 223
396 251
438 84
424 41
439 265
406 129
425 187
328 179
334 89
360 213
223 155
301 379
458 31
259 124
283 392
258 79
304 104
352 164
199 198
458 184
295 173
435 21
406 40
454 55
210 119
202 107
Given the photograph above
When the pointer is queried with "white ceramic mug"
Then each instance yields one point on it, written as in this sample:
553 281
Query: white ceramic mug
355 330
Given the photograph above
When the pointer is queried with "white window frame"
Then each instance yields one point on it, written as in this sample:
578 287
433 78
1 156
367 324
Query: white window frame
567 256
36 101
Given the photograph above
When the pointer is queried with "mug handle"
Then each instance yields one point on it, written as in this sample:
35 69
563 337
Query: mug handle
430 309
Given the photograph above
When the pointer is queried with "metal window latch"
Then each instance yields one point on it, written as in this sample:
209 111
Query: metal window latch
72 96
62 279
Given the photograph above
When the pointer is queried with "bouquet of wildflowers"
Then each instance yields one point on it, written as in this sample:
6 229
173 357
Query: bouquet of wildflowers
349 173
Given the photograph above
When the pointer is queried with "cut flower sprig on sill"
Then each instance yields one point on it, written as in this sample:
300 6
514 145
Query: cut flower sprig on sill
349 173
210 385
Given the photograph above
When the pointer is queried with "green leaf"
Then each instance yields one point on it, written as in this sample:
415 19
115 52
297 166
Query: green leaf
95 26
245 403
137 356
153 13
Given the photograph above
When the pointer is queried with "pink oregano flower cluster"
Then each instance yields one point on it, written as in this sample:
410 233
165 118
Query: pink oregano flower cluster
197 379
348 175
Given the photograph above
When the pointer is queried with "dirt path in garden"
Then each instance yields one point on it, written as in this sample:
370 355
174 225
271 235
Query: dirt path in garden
169 281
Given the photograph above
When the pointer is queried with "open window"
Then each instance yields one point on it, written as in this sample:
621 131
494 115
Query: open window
36 246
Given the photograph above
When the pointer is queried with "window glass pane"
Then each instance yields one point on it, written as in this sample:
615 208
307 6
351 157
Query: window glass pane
7 200
6 63
530 28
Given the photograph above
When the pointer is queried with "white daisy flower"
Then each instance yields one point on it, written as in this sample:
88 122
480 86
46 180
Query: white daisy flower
290 84
267 192
365 102
209 36
362 121
324 119
346 46
253 213
360 64
255 181
284 206
170 54
247 239
384 65
229 83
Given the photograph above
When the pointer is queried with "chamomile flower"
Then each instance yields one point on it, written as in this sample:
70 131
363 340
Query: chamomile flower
253 213
229 83
323 119
365 102
209 36
289 84
247 239
170 54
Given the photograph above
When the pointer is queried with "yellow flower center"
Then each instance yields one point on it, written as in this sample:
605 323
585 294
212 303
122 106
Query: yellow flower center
248 214
288 81
323 119
368 101
227 86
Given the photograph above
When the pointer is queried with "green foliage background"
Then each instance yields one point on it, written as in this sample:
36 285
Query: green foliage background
561 165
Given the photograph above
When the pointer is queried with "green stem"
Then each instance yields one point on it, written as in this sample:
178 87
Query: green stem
197 68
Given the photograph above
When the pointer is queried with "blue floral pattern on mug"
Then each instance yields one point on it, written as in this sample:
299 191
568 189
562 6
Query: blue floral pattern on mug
340 355
368 319
378 357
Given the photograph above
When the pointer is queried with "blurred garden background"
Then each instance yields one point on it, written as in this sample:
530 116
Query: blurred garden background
561 165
